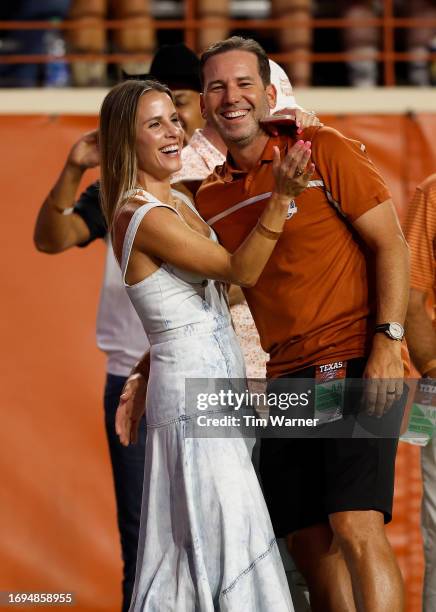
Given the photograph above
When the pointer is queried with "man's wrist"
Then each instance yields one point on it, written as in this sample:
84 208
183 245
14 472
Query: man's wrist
392 329
383 341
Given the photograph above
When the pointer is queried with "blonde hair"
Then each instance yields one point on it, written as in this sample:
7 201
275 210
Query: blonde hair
117 141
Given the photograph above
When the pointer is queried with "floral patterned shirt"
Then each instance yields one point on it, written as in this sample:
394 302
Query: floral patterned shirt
199 159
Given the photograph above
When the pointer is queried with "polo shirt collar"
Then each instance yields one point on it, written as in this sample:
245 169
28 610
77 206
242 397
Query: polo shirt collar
228 172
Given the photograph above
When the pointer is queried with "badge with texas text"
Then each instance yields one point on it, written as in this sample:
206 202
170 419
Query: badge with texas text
292 209
329 391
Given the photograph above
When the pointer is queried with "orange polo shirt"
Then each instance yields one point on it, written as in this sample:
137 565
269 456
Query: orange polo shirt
312 303
420 232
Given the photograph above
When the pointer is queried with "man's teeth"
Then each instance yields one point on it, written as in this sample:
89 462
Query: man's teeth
170 149
234 114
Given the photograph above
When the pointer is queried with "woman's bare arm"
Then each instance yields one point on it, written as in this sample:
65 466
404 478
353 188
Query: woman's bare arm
164 236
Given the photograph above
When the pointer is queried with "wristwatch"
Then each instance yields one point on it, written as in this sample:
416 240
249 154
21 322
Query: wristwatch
394 331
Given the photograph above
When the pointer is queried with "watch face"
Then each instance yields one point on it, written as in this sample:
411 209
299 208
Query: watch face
396 331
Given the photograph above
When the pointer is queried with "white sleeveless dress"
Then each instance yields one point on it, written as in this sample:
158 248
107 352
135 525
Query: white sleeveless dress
206 542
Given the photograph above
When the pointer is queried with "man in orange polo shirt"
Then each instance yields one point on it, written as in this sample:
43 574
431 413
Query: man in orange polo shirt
420 230
318 306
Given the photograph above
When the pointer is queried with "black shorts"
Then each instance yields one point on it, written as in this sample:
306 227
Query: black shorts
306 479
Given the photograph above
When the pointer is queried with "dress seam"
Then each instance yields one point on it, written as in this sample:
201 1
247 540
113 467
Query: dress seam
249 568
185 417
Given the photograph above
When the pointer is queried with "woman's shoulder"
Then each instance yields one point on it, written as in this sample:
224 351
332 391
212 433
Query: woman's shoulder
122 218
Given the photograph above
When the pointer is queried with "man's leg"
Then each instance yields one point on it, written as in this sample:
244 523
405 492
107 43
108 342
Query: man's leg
428 464
320 561
128 473
375 575
292 473
291 477
310 485
359 480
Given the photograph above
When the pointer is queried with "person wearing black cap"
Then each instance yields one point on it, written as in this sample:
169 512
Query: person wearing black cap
179 68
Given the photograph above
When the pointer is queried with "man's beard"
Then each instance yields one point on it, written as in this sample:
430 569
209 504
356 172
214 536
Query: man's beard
244 139
240 140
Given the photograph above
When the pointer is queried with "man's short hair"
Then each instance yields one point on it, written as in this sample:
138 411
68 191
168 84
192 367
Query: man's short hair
238 43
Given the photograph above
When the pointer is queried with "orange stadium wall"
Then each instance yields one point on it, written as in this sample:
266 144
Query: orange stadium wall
58 524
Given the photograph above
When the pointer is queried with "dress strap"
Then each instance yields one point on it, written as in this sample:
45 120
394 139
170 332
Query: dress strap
132 228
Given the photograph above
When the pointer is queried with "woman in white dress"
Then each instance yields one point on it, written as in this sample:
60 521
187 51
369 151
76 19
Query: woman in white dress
206 542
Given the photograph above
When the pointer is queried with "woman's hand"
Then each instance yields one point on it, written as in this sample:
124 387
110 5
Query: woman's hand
292 173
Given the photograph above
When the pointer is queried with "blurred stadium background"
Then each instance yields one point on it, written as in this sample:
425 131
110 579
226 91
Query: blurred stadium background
58 526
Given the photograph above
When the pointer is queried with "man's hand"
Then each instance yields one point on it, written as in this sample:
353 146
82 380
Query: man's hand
384 373
131 408
85 154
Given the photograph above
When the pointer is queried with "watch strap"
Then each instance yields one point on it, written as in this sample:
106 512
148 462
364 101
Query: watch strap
382 327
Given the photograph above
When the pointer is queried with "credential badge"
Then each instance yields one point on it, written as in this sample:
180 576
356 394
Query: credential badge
292 209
